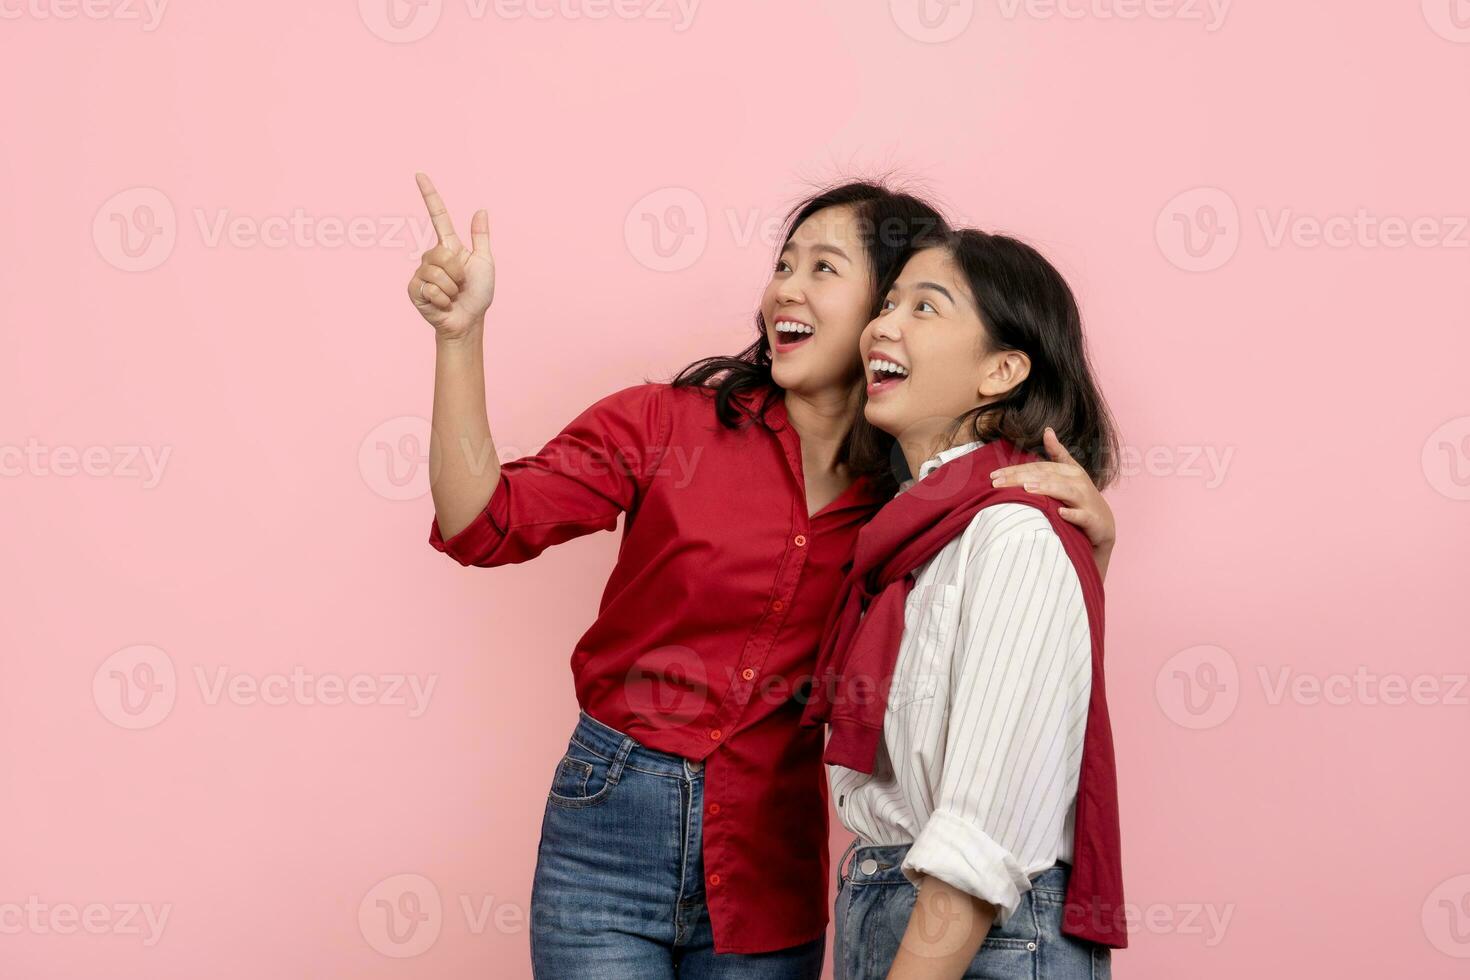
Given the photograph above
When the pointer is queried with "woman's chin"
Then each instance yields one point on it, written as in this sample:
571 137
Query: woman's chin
786 376
883 416
798 378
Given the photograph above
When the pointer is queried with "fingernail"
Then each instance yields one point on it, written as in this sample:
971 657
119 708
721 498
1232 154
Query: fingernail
1032 486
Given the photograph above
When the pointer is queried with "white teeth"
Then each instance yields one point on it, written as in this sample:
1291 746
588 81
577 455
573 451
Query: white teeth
880 366
791 326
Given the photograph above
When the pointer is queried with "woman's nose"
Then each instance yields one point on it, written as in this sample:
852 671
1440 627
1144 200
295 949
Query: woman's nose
887 328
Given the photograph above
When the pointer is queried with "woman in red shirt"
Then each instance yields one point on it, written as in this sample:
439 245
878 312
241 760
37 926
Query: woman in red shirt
685 831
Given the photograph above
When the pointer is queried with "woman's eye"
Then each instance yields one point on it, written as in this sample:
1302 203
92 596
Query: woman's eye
887 305
825 267
925 303
781 266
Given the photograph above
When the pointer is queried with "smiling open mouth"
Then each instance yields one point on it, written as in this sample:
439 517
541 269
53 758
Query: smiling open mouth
791 334
885 375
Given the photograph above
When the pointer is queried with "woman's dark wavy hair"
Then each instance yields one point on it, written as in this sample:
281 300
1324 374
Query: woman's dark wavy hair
1026 305
889 222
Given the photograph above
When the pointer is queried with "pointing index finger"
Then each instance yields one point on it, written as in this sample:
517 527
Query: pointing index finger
438 213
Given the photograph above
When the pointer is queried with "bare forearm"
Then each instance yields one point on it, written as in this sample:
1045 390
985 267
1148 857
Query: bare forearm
945 931
1102 554
463 466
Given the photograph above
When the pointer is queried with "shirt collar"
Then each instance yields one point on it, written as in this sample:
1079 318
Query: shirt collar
939 459
775 416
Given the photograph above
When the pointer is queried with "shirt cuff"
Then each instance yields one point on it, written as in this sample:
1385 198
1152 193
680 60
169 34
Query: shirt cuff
958 852
477 543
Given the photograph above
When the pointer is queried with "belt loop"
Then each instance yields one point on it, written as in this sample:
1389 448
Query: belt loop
842 864
615 771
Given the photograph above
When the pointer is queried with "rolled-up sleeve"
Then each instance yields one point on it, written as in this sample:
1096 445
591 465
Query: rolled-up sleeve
1019 684
592 471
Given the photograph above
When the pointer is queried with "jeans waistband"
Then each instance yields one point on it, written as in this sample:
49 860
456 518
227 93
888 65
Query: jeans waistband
883 864
609 743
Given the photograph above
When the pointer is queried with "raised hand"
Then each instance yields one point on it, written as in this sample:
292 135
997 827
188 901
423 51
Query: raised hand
1065 480
453 285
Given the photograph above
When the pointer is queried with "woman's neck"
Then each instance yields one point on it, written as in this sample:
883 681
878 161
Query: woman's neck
919 447
823 422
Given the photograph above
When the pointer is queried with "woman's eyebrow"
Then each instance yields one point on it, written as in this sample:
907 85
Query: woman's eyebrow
936 287
819 247
822 247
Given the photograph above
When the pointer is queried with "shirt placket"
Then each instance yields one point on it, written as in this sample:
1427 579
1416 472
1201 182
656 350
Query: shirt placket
721 798
788 576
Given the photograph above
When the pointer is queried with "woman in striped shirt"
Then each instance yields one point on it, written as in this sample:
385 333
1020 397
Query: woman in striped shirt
685 835
963 791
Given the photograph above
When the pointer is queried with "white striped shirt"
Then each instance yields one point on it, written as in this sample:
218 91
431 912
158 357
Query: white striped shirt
982 739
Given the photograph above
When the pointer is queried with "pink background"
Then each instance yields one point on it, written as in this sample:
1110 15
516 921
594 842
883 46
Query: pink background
1286 624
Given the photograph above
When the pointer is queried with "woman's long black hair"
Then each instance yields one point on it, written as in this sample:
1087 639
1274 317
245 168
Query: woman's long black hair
889 222
1026 305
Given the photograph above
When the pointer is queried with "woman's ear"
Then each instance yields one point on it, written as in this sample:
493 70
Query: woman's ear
1002 372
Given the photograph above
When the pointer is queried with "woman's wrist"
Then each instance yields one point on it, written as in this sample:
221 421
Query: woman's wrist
471 341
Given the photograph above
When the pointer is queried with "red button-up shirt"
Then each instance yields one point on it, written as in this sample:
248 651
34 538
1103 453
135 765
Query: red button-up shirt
706 637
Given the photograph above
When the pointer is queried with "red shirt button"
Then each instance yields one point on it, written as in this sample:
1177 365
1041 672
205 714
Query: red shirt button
714 808
778 605
800 540
747 674
714 879
715 733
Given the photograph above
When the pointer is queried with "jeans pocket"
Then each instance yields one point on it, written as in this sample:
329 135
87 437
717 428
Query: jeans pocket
582 778
571 778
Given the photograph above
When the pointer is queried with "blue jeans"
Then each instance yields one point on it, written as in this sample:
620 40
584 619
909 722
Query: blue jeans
619 887
873 905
